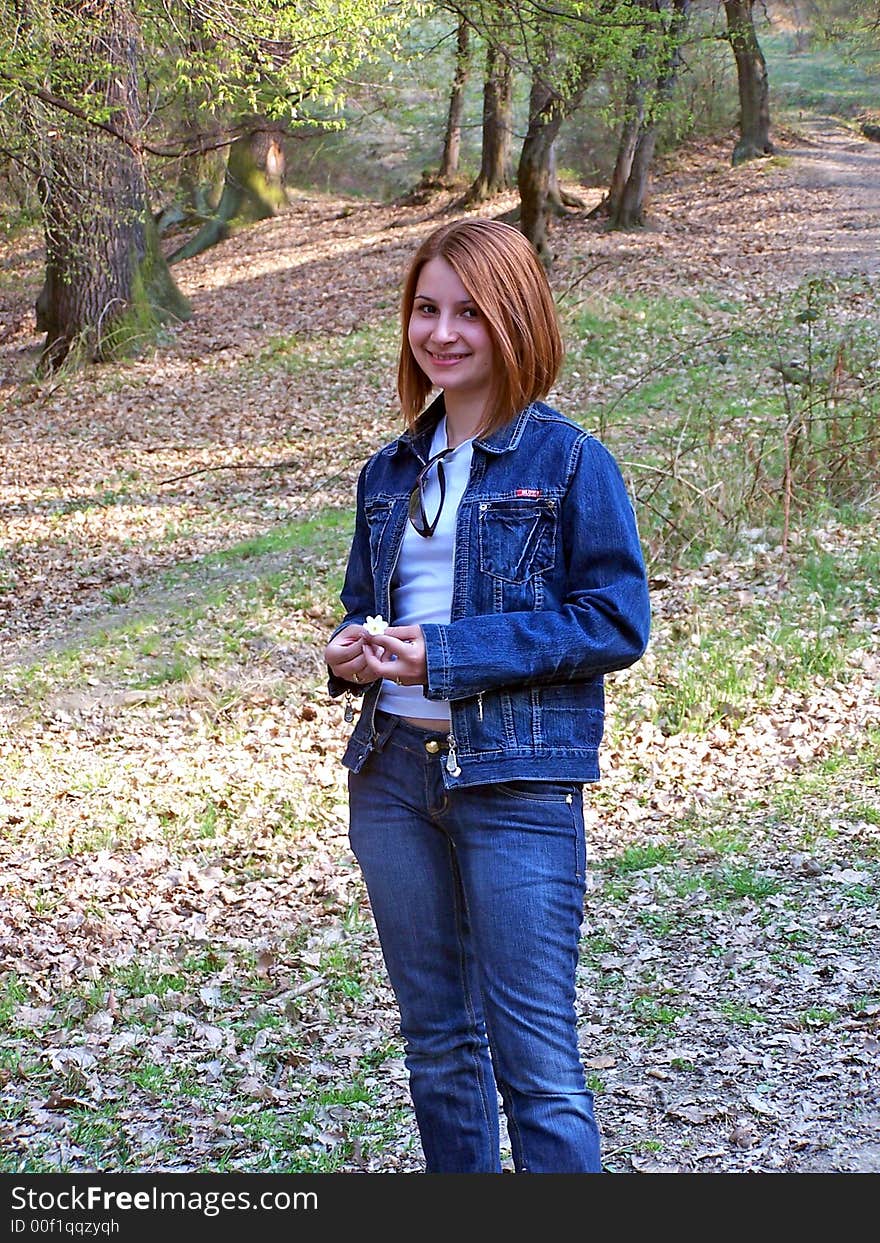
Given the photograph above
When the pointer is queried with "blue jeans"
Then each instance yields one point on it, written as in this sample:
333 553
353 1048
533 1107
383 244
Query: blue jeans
477 894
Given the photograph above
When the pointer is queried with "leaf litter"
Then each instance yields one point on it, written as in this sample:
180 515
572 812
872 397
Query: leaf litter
192 980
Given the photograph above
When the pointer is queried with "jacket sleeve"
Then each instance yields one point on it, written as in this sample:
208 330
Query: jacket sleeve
603 623
357 590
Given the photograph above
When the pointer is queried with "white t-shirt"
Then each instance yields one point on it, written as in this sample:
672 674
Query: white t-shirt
421 590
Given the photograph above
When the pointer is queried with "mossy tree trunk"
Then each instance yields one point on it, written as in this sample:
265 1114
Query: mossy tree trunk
537 180
107 287
253 188
754 91
202 176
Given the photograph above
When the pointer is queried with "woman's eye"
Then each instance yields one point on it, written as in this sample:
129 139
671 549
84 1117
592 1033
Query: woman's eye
427 308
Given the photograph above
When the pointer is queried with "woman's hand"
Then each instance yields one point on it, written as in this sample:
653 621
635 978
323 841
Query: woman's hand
345 655
398 654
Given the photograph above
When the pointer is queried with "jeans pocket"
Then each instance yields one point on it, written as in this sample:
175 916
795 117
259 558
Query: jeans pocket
540 791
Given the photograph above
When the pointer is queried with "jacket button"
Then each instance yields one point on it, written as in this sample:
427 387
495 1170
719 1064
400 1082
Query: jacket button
432 745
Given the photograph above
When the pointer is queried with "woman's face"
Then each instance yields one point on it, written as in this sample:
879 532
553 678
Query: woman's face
449 336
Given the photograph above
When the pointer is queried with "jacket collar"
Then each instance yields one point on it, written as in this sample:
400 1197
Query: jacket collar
418 440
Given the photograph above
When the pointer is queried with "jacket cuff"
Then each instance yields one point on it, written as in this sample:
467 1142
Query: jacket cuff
437 662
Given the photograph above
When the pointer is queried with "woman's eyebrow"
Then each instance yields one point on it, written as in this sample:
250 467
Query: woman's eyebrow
424 297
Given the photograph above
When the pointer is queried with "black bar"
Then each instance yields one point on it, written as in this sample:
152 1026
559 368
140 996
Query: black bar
191 1207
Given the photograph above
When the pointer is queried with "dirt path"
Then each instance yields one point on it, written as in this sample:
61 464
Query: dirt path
754 230
846 167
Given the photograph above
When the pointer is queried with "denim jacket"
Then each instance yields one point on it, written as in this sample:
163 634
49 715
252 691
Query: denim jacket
549 594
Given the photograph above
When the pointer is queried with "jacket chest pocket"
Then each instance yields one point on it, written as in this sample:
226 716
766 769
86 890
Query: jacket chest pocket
377 514
517 539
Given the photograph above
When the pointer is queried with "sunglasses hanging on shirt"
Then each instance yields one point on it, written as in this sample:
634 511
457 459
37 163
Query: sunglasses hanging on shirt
417 513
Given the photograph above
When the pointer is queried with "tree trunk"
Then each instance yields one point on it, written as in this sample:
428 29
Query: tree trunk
452 140
634 116
628 195
202 177
253 189
558 199
199 184
495 169
533 172
630 209
751 72
536 172
107 287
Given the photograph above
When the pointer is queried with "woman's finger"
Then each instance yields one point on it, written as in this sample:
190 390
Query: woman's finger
407 670
398 647
379 665
406 633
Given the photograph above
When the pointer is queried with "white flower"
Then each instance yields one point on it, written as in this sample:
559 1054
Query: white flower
375 625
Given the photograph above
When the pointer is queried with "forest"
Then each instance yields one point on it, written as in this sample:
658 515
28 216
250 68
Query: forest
205 215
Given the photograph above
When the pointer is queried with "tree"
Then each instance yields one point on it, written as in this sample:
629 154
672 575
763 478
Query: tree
107 283
496 170
549 103
565 55
751 72
629 183
560 200
103 81
452 137
253 187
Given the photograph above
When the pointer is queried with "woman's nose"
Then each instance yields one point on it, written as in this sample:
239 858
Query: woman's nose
443 329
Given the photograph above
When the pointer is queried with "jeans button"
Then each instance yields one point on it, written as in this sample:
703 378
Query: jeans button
432 745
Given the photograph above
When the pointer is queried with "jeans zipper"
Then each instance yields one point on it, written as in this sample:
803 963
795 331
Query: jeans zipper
452 758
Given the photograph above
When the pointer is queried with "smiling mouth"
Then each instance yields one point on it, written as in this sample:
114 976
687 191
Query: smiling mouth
445 358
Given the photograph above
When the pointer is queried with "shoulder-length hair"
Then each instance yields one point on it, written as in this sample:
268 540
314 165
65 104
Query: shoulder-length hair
500 270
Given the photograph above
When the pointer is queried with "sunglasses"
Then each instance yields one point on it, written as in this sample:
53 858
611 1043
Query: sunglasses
417 514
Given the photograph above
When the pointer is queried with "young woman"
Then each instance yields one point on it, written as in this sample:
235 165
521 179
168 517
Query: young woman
499 539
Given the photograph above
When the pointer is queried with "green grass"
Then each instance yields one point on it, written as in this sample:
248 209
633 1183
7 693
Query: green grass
652 1014
658 923
203 614
819 1016
374 347
836 80
741 1015
14 993
742 882
693 396
637 858
840 792
866 1005
862 895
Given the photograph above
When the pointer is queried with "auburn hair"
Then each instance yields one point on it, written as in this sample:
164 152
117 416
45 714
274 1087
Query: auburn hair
501 271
